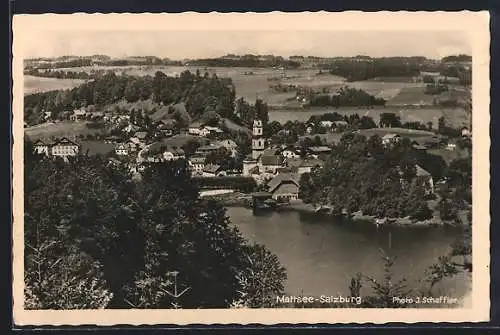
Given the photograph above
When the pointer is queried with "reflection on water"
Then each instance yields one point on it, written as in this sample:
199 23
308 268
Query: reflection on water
321 256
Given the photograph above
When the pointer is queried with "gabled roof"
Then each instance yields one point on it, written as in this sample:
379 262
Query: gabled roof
211 168
390 136
208 147
141 135
40 142
421 171
272 159
282 178
195 124
270 152
65 141
197 160
320 149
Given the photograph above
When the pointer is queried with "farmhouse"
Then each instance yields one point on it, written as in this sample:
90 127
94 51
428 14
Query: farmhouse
425 178
196 165
213 170
390 139
465 132
204 150
284 187
78 115
173 154
141 136
271 163
302 166
42 147
290 152
122 149
319 151
195 128
229 144
326 124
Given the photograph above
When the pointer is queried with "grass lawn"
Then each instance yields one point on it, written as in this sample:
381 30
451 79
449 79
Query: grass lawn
33 84
97 147
67 129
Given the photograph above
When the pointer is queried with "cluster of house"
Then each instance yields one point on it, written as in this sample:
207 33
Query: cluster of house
62 147
79 114
200 129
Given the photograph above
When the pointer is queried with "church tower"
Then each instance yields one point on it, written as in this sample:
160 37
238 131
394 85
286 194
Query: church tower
258 140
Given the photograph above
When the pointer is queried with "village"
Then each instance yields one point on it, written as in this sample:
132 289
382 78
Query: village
275 168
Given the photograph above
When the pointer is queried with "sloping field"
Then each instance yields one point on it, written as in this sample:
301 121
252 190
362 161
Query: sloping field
34 84
411 96
412 133
66 129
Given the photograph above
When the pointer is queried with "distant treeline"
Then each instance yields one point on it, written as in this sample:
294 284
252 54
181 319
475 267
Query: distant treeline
357 69
200 94
62 74
354 70
346 97
246 61
89 61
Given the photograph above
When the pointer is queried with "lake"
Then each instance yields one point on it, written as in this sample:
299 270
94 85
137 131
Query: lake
321 257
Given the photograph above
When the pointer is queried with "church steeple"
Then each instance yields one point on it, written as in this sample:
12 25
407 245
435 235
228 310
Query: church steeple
258 140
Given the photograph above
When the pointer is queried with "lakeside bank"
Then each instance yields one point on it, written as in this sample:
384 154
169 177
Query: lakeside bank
239 199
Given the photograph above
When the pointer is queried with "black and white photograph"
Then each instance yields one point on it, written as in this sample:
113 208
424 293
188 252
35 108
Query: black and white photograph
172 163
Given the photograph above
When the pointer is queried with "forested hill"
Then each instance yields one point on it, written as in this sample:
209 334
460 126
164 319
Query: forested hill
200 93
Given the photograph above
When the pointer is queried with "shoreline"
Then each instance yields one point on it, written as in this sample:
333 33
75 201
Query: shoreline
238 199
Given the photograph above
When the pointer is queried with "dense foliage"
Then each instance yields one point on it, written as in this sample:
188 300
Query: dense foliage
246 61
346 97
240 183
357 69
364 175
200 94
96 238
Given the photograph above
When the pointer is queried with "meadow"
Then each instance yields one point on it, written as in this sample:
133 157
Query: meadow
34 84
60 129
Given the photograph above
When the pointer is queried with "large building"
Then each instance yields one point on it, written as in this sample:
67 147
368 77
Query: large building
62 147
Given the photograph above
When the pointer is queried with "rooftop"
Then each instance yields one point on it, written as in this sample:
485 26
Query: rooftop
272 159
281 178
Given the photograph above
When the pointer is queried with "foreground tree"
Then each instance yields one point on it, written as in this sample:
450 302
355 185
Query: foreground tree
123 243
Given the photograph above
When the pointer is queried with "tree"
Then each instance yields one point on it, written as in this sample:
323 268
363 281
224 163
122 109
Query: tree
72 211
389 120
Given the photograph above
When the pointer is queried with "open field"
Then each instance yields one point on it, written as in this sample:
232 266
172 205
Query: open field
67 129
34 84
397 91
403 132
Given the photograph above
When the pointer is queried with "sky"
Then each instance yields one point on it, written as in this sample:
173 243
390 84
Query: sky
184 44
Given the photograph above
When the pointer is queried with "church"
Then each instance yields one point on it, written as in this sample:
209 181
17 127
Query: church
261 160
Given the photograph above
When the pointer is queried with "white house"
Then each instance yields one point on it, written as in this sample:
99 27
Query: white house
290 153
122 149
42 147
195 128
389 139
196 165
78 115
173 154
326 124
229 144
64 148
